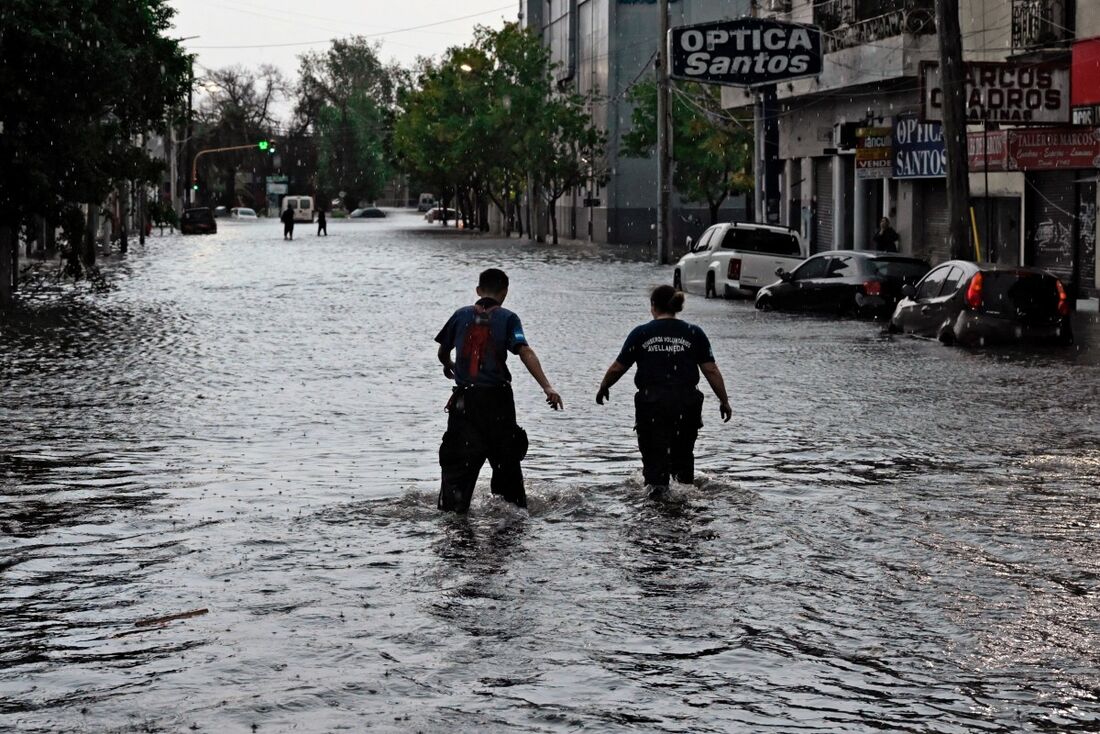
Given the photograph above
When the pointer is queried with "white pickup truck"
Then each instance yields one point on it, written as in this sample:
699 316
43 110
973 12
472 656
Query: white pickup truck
737 259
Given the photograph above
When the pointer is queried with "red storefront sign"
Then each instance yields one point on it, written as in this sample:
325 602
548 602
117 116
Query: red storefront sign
1046 150
989 146
1085 73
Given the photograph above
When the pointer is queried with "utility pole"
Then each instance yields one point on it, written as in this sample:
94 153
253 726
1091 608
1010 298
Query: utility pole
189 132
953 83
664 140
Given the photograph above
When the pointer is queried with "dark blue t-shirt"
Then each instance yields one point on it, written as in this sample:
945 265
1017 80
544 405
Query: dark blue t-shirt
668 353
505 334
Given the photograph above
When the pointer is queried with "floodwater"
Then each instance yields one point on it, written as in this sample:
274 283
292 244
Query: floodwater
890 535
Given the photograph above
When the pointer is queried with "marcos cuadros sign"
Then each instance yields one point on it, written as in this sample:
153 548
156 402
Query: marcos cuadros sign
1012 92
748 52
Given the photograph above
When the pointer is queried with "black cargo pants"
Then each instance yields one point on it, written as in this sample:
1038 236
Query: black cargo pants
668 420
481 425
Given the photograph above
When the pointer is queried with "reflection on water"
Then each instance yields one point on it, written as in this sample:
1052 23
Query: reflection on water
890 535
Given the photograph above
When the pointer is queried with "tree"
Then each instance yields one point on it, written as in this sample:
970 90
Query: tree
347 97
79 81
712 152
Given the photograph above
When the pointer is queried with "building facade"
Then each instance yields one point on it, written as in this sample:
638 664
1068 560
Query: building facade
604 48
861 140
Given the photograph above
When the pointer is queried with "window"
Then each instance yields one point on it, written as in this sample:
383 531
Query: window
704 241
770 242
908 269
951 284
839 267
930 286
292 203
816 267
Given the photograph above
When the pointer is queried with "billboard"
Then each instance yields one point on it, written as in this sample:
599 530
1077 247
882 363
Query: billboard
748 52
1010 92
873 146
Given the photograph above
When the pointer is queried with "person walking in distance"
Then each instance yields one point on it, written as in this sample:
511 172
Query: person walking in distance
668 407
482 414
886 239
322 223
288 223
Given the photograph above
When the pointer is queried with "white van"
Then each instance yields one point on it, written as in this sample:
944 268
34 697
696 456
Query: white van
426 203
302 206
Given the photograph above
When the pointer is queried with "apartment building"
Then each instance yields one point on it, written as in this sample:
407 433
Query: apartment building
861 141
604 48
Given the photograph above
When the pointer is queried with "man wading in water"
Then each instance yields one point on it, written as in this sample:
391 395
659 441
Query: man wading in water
482 420
668 407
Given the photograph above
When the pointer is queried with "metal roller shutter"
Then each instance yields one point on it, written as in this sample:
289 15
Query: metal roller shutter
937 247
823 198
1086 227
1050 226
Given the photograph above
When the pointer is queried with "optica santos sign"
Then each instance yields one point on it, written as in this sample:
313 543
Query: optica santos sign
749 52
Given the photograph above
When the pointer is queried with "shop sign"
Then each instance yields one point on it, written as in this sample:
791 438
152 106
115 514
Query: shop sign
748 52
918 150
1017 93
987 147
1046 150
873 147
1085 73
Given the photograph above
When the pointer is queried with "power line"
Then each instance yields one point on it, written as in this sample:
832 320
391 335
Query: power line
361 35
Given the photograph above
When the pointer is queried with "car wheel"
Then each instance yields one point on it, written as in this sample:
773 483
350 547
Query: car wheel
946 336
892 328
764 303
711 292
677 283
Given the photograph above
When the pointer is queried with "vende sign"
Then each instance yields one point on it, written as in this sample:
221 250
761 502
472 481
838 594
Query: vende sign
1017 93
873 145
746 53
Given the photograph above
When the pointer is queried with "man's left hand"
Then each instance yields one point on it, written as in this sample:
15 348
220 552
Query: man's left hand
553 399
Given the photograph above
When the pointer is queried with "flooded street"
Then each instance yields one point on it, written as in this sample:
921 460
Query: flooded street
890 535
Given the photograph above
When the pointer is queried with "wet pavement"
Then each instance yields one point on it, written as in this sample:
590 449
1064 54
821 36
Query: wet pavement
890 535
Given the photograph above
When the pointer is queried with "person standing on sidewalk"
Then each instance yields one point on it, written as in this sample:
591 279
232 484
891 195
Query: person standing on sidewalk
668 407
482 413
322 223
886 239
288 223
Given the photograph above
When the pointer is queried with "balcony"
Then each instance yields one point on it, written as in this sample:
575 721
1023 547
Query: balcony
1038 24
850 23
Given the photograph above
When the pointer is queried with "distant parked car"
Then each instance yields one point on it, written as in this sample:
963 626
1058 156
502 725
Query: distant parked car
973 304
735 259
369 212
199 220
855 282
436 215
242 212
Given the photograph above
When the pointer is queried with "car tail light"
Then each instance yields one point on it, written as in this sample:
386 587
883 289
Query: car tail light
974 292
1063 299
872 287
734 272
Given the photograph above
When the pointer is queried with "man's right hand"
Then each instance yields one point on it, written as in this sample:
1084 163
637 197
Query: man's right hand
449 371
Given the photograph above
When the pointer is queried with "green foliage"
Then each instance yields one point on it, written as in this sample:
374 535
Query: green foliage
712 153
79 81
348 96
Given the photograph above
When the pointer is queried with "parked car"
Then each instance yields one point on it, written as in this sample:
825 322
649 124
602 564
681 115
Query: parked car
856 282
369 212
426 202
302 206
199 220
436 214
972 304
242 212
221 211
736 259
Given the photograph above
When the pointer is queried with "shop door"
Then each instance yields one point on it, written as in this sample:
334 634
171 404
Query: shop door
936 245
824 205
1050 225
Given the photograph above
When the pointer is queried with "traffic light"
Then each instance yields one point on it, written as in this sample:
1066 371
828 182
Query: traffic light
195 187
263 145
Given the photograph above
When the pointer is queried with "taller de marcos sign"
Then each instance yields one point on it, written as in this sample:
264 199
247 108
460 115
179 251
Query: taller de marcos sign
749 52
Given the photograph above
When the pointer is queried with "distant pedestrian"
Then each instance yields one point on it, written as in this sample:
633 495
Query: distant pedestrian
668 406
322 223
482 421
886 239
288 223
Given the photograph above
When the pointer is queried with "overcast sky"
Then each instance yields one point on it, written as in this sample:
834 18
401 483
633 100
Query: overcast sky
227 28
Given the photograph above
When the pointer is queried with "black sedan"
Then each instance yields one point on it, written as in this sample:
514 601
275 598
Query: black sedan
199 220
975 304
369 212
856 282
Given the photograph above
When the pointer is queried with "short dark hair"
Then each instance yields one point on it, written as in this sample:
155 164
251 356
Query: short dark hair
667 299
493 280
